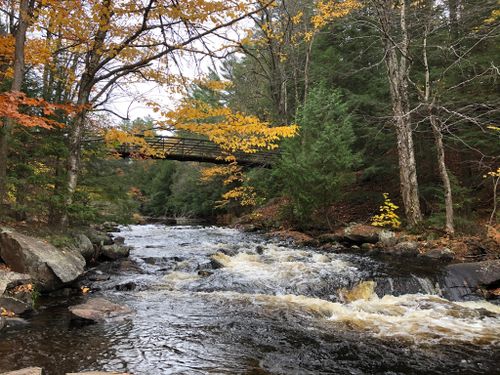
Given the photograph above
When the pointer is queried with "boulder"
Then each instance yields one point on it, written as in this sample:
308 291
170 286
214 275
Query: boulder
126 286
360 233
9 280
48 266
26 371
99 309
108 226
354 234
367 246
16 305
214 264
204 273
298 238
98 238
115 251
441 253
406 249
119 240
84 246
387 238
462 280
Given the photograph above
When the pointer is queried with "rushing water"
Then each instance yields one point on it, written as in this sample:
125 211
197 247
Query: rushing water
213 300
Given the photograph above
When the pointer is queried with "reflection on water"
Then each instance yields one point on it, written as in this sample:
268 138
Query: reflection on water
217 301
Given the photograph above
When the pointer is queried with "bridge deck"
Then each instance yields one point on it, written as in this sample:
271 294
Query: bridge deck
199 150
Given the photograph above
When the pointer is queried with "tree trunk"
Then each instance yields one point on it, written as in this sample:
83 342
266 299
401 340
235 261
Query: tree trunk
87 82
73 162
407 166
445 178
398 70
20 39
438 137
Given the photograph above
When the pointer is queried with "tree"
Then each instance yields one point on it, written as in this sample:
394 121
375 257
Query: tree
117 42
393 27
25 9
318 163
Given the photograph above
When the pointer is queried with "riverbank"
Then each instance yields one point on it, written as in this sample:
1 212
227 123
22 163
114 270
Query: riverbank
38 261
473 261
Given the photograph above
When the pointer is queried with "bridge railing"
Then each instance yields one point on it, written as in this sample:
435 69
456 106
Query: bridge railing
195 149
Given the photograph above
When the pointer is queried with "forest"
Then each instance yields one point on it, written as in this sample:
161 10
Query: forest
362 99
266 187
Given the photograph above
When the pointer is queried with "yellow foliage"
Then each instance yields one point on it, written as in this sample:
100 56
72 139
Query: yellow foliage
245 195
232 131
493 173
328 10
5 312
387 216
23 288
136 145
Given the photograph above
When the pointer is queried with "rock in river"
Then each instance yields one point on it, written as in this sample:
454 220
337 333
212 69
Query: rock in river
463 280
115 251
84 246
15 292
406 249
47 265
99 309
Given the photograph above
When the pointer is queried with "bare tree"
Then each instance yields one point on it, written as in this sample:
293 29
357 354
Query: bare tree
395 37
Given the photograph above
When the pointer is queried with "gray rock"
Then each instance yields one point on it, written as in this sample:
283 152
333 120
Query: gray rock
17 306
98 238
15 321
2 322
119 240
464 279
115 251
406 248
205 273
215 264
359 233
126 286
9 280
109 226
367 246
26 371
232 252
100 309
442 253
48 266
84 246
387 238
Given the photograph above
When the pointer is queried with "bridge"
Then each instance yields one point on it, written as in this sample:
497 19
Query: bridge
194 149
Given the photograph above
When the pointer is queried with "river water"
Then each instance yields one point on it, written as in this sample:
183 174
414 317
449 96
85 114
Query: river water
212 300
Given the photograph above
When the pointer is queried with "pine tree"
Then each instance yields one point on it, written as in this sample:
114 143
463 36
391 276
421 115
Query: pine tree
318 163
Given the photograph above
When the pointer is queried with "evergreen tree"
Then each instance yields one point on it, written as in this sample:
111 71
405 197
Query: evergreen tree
318 163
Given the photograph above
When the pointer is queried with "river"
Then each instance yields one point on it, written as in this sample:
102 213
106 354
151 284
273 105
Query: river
211 300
